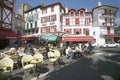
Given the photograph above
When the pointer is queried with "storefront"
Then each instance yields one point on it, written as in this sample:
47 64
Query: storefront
79 39
7 37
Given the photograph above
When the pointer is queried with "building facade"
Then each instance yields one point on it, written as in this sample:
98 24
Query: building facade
32 21
22 8
19 25
7 35
44 19
77 25
104 23
19 21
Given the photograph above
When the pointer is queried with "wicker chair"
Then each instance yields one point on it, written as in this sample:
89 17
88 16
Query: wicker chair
57 53
52 57
26 59
6 68
38 57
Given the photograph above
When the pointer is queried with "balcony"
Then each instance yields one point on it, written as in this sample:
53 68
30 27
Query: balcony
52 23
107 16
43 24
109 35
111 24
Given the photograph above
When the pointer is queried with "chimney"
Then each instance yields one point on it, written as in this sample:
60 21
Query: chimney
99 3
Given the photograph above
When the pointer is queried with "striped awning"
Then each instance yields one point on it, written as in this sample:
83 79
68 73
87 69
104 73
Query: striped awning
79 38
49 38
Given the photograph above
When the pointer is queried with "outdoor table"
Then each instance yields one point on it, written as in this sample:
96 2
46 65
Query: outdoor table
36 61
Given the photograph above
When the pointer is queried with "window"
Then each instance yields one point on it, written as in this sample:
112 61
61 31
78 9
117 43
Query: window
94 33
44 11
43 20
32 31
35 23
86 21
30 25
36 16
67 32
52 29
44 29
87 32
72 13
27 25
47 18
52 9
52 17
36 30
81 13
77 32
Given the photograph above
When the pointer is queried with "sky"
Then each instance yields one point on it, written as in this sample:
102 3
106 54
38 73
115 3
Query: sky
74 4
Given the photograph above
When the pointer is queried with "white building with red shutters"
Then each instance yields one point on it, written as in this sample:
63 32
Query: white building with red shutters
44 19
51 18
104 17
77 25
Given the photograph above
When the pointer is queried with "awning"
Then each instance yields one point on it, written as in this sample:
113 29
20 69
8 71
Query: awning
27 38
79 38
50 38
8 34
110 35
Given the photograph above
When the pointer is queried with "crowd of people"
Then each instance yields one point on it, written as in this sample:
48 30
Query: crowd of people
77 50
70 50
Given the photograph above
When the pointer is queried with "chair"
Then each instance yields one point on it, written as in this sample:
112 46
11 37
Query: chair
38 57
26 59
6 67
52 57
58 56
15 58
57 53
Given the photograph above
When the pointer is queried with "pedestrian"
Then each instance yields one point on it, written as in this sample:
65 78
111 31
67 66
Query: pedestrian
47 49
90 47
64 47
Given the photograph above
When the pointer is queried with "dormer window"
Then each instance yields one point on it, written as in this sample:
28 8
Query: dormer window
72 13
81 13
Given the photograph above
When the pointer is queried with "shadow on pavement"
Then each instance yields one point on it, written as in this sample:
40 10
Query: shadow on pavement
86 69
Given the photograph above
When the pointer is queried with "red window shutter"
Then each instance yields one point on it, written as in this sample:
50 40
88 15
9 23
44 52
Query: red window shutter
41 29
41 20
76 20
108 30
54 28
48 29
89 20
84 31
74 31
47 18
80 31
67 21
70 31
55 17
